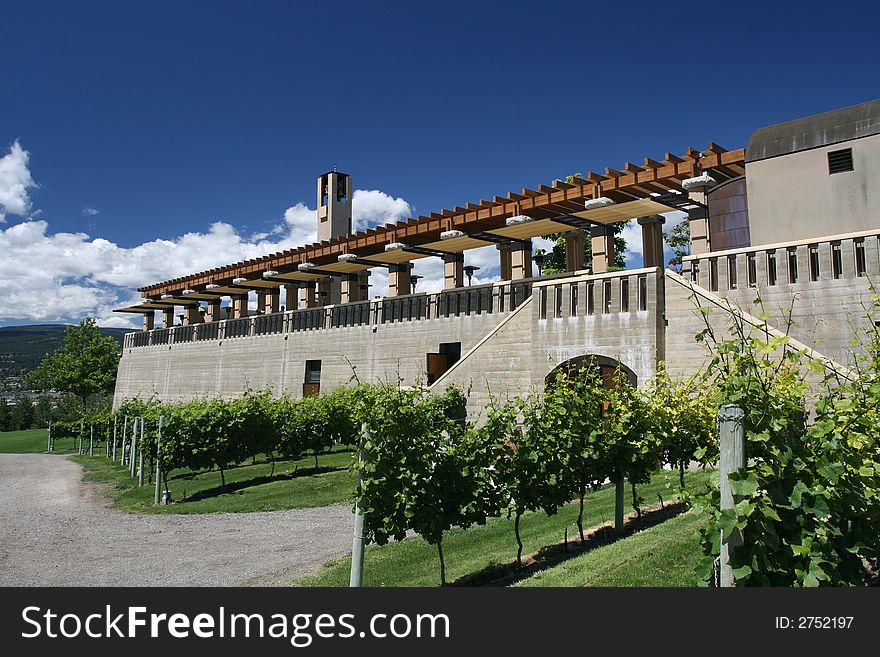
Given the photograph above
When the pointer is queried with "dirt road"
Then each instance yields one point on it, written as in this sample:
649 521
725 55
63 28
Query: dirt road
56 530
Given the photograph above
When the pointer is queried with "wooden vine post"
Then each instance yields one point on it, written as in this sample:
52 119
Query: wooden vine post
732 445
357 545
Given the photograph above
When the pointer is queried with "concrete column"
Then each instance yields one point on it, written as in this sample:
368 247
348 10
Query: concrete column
261 302
603 248
803 264
848 258
826 268
521 263
742 271
399 282
168 317
239 306
582 299
699 221
652 239
350 290
505 262
191 314
273 301
149 320
453 271
761 269
723 275
872 256
574 250
325 292
704 276
213 314
308 295
364 285
291 296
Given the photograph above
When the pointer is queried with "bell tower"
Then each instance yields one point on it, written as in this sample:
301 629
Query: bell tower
334 205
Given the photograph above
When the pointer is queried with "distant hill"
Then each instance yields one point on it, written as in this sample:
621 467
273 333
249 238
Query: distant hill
23 347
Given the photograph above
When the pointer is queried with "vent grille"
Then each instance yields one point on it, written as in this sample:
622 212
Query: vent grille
840 161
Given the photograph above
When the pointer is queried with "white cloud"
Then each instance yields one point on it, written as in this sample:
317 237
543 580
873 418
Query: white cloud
371 207
89 212
15 181
634 254
80 275
301 224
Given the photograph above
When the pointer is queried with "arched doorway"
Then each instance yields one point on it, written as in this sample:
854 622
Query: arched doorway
610 370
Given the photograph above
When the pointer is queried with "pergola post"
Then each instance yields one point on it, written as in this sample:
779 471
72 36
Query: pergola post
291 296
213 314
261 302
574 250
191 314
326 294
453 271
308 294
272 301
149 320
168 317
350 289
364 285
399 282
504 261
698 217
603 248
652 239
240 305
521 262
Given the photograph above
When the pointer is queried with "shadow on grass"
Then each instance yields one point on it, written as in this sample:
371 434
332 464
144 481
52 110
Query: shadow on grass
234 486
553 555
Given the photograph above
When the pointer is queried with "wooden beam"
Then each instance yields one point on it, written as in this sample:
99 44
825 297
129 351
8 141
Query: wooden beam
634 182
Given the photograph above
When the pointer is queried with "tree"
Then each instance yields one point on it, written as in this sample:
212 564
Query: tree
5 416
554 260
85 365
682 416
679 239
575 400
42 412
22 414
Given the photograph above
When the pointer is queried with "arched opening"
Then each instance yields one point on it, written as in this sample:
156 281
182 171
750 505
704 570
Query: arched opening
609 369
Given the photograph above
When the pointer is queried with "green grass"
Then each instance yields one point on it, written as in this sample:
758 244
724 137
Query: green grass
665 555
492 547
31 441
294 485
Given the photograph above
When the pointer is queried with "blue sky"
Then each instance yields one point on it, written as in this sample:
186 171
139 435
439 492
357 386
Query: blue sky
144 121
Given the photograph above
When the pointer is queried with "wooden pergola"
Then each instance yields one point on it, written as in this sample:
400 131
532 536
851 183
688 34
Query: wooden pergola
637 190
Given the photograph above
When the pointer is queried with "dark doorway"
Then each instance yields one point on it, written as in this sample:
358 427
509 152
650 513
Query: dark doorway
439 362
312 380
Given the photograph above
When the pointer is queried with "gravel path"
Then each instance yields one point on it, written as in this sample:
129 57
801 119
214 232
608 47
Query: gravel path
56 530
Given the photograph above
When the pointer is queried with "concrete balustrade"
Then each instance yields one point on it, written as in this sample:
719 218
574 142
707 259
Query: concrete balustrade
492 298
839 257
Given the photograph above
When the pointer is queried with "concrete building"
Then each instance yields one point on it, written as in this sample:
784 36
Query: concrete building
794 217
